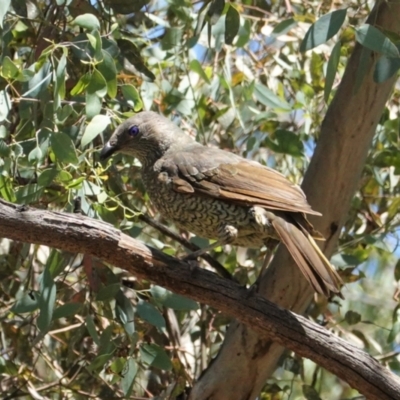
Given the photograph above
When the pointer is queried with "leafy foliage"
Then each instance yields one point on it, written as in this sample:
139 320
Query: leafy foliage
254 77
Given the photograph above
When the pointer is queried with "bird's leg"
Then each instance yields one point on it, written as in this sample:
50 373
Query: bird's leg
226 233
267 260
271 244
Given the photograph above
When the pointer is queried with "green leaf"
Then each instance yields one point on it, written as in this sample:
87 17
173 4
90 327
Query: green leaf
244 33
93 105
60 76
108 69
128 377
29 193
3 132
323 29
215 11
63 113
18 150
9 368
28 303
56 262
268 98
87 21
331 70
25 75
8 69
66 310
373 39
397 271
232 24
394 332
96 43
132 54
5 105
97 84
91 189
195 66
387 158
352 317
172 38
91 327
132 96
149 313
95 126
96 89
118 365
153 355
63 148
108 293
385 68
99 362
39 83
125 312
171 300
4 6
126 6
310 393
4 149
106 344
47 176
46 301
81 85
64 176
36 155
7 191
286 142
284 27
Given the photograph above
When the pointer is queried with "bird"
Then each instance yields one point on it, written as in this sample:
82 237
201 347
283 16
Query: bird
220 195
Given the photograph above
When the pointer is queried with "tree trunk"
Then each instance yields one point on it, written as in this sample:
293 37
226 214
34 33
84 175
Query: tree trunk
245 360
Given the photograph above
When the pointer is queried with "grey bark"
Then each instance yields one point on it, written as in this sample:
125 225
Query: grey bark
80 234
246 360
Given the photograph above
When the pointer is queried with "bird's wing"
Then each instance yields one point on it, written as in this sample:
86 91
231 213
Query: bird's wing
223 175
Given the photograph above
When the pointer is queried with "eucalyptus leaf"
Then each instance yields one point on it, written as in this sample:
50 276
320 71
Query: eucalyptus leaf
95 126
4 6
87 21
149 313
63 148
323 29
373 39
46 301
232 24
331 70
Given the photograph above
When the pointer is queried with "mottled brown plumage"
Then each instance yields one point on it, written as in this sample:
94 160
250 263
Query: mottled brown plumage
219 195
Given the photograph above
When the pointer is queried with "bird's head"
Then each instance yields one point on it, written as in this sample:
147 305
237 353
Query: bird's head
146 136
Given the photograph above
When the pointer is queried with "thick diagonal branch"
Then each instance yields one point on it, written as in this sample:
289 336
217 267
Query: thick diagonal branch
81 234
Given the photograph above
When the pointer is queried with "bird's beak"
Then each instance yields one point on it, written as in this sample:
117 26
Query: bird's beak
107 151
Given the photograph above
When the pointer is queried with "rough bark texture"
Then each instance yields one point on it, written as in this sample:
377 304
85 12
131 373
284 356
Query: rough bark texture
81 234
245 360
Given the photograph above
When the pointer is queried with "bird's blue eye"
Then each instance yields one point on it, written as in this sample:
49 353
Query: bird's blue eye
134 130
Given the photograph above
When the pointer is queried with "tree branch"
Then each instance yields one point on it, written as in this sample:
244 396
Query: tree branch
80 234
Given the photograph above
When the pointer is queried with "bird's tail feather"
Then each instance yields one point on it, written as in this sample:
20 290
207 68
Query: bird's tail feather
319 272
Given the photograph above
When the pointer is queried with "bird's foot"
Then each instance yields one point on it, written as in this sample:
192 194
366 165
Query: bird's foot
260 216
227 234
193 265
193 255
251 291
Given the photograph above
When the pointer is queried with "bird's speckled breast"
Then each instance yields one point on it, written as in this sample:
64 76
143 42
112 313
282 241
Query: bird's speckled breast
204 215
